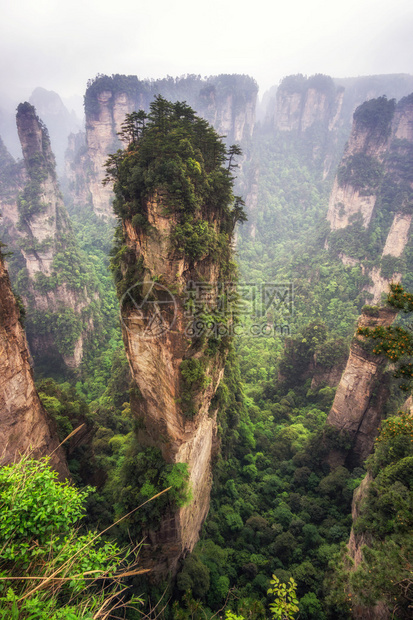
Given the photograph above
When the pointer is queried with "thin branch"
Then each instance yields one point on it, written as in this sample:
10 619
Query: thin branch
51 577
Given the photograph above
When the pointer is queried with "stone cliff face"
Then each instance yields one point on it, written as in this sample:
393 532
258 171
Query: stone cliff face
227 102
77 167
356 184
45 263
156 363
172 267
309 110
24 424
357 409
59 121
357 541
317 111
373 185
300 103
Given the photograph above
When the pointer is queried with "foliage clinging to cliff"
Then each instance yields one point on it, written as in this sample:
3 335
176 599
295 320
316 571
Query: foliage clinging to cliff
176 158
376 115
175 152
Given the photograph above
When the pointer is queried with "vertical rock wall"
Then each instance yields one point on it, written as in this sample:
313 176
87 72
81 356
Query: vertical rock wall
173 268
45 263
24 424
358 405
155 362
374 185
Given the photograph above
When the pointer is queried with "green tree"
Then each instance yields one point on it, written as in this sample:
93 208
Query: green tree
395 342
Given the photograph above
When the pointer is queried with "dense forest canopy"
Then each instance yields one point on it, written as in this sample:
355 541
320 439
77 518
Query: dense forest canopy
274 543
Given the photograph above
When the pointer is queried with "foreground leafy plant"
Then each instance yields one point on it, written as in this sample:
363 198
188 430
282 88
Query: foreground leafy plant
285 605
48 570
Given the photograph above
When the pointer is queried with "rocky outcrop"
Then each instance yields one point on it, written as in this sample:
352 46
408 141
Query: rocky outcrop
357 541
330 377
379 286
309 109
301 103
373 180
226 101
317 111
24 424
185 432
357 183
76 188
357 409
398 235
173 268
59 121
45 265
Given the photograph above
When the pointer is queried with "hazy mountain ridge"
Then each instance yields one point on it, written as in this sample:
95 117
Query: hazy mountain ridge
373 190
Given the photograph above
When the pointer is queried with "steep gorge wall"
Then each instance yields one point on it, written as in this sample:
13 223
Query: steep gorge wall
299 103
156 366
24 424
45 264
357 409
226 101
317 111
370 207
355 545
188 436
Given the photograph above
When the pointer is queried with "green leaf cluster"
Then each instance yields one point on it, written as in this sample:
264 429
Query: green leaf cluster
48 569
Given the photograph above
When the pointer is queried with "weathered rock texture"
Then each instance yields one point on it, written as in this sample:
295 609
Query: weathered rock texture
155 364
361 394
317 111
45 263
24 424
300 103
374 184
351 195
173 268
76 187
226 101
330 377
309 110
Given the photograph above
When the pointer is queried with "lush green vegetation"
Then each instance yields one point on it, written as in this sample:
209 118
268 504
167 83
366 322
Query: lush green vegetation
176 156
279 517
395 342
375 116
361 171
48 569
385 524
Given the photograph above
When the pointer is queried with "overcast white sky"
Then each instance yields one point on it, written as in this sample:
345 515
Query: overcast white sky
60 44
